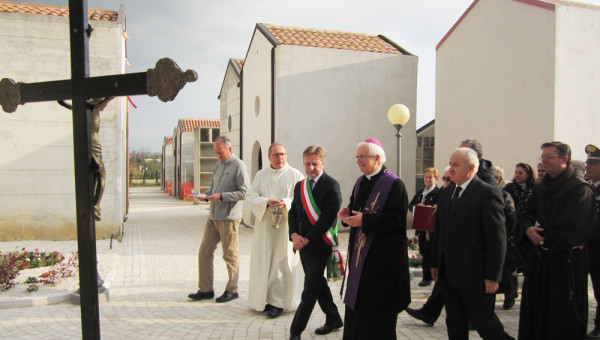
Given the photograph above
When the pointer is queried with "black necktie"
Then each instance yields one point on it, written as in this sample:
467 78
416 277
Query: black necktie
455 196
311 182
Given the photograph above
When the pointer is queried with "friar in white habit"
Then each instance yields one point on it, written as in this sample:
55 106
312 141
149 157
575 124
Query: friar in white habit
276 274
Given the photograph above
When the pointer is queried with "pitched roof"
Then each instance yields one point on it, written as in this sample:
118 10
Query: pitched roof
545 4
311 37
23 7
567 3
239 62
189 124
168 140
422 128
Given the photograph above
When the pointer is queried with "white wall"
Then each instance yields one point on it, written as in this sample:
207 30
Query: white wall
168 163
256 97
230 107
187 157
495 82
577 78
256 129
338 98
36 170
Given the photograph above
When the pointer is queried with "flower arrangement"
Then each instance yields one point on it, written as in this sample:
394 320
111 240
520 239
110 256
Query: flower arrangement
415 260
35 258
9 270
12 262
413 244
61 270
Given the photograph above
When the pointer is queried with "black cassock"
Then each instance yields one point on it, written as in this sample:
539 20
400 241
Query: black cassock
554 299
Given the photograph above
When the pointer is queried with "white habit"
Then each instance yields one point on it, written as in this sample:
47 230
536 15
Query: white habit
276 274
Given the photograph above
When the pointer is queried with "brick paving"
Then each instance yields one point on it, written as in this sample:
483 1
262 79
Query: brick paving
157 269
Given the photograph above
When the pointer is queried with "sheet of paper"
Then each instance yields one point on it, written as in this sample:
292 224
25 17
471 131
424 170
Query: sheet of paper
197 195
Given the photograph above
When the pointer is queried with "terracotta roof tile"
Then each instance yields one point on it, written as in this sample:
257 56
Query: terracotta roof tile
189 124
239 62
23 7
168 140
331 39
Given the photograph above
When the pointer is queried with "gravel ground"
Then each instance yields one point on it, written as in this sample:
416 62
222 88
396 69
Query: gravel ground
107 261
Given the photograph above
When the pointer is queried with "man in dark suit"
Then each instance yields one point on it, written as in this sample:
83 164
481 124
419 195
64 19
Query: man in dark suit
470 245
314 209
592 172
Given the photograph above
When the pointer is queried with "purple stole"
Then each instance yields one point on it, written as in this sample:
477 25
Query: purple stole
362 242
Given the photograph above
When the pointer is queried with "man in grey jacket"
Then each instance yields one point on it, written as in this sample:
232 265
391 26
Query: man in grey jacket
228 189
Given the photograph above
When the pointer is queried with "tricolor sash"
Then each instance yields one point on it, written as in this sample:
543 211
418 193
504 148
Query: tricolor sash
362 242
335 264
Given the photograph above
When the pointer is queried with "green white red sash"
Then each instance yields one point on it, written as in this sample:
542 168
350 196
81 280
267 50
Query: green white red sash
335 263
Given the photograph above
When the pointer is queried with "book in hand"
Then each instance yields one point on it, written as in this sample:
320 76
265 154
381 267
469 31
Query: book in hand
423 218
197 195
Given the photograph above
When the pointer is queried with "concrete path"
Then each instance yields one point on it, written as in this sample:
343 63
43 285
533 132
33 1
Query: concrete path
157 269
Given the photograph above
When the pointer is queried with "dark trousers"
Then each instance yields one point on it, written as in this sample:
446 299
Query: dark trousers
594 269
509 284
434 304
425 250
314 260
475 306
357 326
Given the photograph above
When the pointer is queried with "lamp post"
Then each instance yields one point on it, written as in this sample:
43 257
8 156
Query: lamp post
398 115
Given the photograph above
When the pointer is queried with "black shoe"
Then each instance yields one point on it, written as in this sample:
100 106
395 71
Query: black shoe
424 283
227 296
328 328
294 337
201 296
595 334
274 312
267 308
509 301
418 314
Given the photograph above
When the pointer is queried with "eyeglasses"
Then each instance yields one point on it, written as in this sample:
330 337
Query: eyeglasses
446 179
279 154
547 157
362 158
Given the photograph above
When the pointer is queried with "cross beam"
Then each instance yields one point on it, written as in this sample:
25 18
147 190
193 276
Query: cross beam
165 81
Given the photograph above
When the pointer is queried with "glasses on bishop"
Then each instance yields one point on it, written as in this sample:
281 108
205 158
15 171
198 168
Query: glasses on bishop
362 157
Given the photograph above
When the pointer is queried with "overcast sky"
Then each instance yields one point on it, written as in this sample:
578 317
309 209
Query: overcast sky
204 34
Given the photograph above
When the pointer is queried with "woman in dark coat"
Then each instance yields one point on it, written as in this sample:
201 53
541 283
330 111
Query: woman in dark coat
520 189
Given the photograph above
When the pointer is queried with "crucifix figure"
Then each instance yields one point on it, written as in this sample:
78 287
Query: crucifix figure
97 105
98 164
165 81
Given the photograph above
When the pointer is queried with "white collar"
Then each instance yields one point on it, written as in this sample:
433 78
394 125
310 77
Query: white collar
464 186
375 173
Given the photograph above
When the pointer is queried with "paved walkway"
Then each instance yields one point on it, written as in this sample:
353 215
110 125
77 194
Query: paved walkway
157 269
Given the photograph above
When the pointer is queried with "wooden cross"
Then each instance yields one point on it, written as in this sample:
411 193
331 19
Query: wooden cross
165 81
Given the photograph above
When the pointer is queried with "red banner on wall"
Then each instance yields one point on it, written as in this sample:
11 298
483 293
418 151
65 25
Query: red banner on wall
185 189
169 187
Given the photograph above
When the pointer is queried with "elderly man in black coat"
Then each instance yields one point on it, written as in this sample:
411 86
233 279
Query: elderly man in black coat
378 285
470 245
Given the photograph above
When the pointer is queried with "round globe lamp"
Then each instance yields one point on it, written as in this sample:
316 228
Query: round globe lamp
398 115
